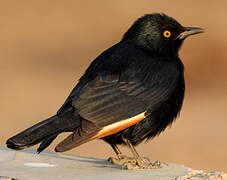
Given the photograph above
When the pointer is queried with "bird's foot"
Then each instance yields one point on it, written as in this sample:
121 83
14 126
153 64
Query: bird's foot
131 163
122 159
141 164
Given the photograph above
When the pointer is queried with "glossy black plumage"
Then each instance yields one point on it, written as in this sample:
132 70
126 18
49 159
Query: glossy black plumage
141 73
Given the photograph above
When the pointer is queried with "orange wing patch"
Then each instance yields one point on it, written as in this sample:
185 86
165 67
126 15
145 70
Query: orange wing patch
118 126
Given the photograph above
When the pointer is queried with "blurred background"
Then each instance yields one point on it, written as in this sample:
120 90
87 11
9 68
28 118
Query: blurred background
46 45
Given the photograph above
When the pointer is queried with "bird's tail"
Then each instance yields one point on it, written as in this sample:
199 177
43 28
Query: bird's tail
44 132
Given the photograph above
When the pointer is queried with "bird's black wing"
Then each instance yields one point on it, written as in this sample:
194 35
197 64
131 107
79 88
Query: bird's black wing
114 97
121 83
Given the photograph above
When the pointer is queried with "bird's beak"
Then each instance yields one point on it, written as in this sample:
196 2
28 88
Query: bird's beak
190 31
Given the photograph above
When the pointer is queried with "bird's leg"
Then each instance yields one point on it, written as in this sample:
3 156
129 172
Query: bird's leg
139 163
133 150
122 159
117 151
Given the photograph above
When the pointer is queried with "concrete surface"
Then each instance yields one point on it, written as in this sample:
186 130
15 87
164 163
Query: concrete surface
27 165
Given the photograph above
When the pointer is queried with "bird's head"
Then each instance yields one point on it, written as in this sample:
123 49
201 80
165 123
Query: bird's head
159 33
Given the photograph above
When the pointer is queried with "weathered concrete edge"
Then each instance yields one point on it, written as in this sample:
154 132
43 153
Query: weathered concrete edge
20 165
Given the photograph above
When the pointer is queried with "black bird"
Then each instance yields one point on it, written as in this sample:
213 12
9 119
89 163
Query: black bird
129 93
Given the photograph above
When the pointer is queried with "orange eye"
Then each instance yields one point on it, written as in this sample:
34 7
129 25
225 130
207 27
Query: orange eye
166 33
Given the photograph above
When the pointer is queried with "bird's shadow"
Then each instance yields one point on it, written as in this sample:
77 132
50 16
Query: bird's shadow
95 162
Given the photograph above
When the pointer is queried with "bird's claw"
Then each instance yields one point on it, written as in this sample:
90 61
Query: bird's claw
122 159
131 163
142 165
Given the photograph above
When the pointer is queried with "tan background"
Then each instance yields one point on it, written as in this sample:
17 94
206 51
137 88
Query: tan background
45 46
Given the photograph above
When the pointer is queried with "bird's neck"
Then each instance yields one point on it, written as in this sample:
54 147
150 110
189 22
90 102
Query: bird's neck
148 48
